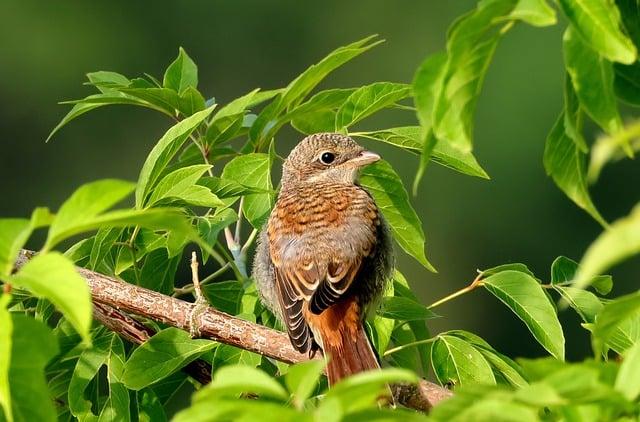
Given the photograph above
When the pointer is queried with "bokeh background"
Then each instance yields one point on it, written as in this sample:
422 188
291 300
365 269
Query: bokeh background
518 216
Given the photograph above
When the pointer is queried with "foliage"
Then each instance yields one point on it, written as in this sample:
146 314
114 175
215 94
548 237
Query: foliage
55 361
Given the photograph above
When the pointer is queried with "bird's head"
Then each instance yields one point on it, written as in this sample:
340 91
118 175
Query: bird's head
325 157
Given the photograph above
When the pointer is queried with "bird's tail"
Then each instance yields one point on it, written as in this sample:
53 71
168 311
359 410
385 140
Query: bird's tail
344 341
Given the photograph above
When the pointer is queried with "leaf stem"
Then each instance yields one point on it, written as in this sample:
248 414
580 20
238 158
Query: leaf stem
189 288
404 346
477 282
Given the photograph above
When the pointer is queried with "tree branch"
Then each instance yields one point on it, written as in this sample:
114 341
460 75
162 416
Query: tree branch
111 297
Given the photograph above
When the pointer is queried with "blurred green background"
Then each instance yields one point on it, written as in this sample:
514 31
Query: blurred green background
518 216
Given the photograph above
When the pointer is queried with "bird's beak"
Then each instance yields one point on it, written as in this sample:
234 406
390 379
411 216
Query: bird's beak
364 158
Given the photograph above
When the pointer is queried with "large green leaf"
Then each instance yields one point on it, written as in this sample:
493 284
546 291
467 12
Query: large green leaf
409 138
404 309
231 380
598 23
628 379
318 114
526 298
54 277
6 333
368 99
592 78
108 350
565 163
84 205
302 379
455 361
612 316
162 355
471 43
181 74
614 245
158 271
392 199
180 184
162 153
225 296
14 233
534 12
253 171
627 82
32 347
264 127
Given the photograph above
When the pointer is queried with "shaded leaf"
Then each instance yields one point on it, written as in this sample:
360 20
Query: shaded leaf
382 182
235 379
225 296
404 309
565 163
161 355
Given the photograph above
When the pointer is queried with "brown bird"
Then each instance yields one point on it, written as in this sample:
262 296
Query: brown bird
325 255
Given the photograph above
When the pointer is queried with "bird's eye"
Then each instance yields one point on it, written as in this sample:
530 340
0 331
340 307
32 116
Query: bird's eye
327 157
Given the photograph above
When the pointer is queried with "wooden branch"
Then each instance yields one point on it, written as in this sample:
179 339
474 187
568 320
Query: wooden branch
111 297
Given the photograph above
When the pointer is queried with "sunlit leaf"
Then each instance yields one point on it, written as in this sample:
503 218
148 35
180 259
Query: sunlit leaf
592 77
6 333
368 99
235 379
526 298
628 379
181 74
457 362
598 23
162 153
181 185
54 277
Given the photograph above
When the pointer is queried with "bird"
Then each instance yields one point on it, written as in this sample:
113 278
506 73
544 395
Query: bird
324 257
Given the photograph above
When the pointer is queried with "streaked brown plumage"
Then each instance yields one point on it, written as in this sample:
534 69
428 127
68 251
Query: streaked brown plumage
324 256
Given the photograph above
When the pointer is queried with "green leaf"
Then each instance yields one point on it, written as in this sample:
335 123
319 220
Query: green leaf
502 366
592 78
191 101
563 270
367 100
181 74
427 87
627 82
598 23
471 43
210 226
103 244
160 356
158 271
613 148
239 410
108 350
232 380
534 12
84 205
253 171
299 88
409 139
162 153
29 394
14 233
318 114
228 355
363 390
614 245
456 361
150 408
628 379
226 296
382 182
6 333
404 309
54 277
302 379
164 100
181 185
526 298
107 81
612 316
585 303
516 266
565 163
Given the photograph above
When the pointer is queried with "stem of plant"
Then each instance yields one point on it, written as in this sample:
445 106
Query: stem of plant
404 346
477 282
